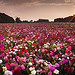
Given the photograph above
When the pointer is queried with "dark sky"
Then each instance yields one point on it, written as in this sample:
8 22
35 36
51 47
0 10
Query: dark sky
35 9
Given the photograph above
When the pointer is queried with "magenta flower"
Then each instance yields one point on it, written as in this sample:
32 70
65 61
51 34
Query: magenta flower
50 73
51 67
56 65
56 56
22 67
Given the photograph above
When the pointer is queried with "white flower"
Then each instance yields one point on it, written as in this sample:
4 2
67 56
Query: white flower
31 68
21 40
7 72
67 57
46 46
26 47
48 43
8 41
45 63
41 60
33 72
15 50
54 45
20 46
63 55
4 68
66 48
58 48
32 42
0 61
59 59
34 55
58 44
16 46
14 53
56 71
30 63
29 41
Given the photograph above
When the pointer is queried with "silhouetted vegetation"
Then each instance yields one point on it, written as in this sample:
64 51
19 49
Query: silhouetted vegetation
18 20
5 18
66 19
43 20
25 21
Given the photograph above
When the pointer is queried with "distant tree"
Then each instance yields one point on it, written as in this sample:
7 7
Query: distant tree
31 21
43 20
25 21
18 20
58 20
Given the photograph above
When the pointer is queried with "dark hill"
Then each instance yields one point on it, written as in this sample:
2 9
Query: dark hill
66 19
5 18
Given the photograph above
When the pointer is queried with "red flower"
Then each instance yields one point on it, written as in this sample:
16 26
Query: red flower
18 69
70 70
28 61
7 65
32 65
46 51
22 52
71 64
8 45
71 60
66 69
25 64
19 52
23 55
25 50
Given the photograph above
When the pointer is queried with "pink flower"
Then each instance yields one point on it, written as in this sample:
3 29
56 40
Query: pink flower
69 47
21 58
12 64
51 53
44 71
56 56
60 62
27 54
13 59
51 67
2 54
56 65
48 54
18 59
42 51
22 67
50 73
37 62
41 60
54 50
5 59
66 52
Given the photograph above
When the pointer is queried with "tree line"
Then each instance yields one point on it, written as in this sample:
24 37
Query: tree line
7 19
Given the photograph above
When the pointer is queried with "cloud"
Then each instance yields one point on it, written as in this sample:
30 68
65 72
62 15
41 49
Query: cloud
36 2
35 9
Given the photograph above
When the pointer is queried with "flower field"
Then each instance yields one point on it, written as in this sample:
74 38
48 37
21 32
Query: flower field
37 49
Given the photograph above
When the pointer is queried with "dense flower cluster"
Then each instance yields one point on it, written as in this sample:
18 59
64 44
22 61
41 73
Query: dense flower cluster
37 49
